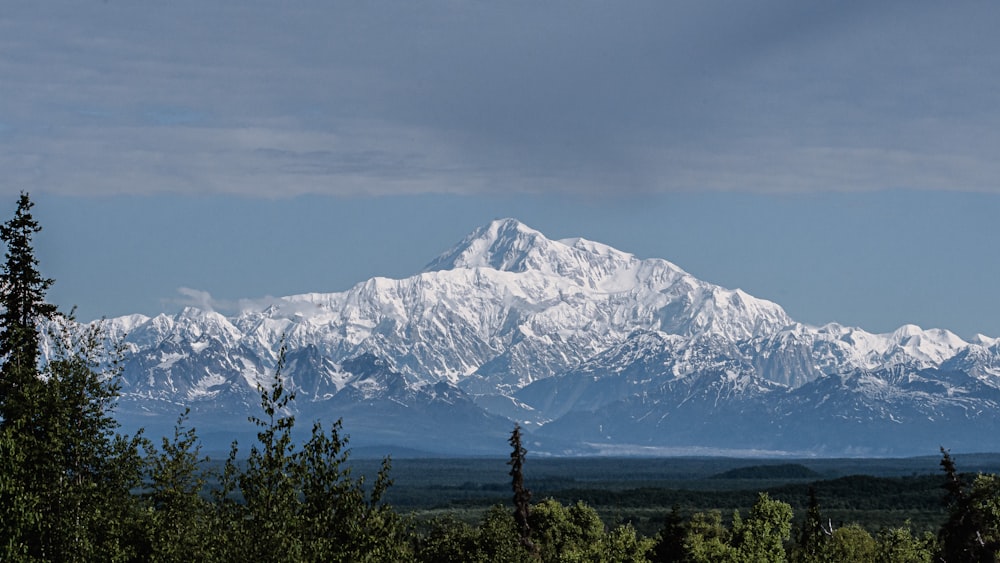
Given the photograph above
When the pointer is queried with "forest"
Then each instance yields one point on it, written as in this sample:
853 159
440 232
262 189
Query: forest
74 488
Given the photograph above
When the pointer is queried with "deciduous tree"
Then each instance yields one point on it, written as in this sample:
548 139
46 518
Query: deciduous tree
288 504
180 516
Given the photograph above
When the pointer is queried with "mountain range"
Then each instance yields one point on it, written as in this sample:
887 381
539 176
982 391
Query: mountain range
590 349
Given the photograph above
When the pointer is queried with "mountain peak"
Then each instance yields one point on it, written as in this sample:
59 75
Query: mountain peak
589 342
502 244
511 246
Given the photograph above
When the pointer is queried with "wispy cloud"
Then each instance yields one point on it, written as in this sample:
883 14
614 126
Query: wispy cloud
356 100
195 298
203 300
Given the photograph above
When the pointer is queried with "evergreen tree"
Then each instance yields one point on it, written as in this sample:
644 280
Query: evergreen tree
970 533
811 536
22 295
74 468
522 496
670 541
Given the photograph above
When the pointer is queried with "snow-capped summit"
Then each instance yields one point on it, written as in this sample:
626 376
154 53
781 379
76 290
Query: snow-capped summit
503 244
511 246
586 342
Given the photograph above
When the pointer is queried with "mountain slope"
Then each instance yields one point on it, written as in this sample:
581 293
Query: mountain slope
582 342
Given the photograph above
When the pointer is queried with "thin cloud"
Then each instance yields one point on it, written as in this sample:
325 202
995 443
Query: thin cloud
195 298
347 99
288 307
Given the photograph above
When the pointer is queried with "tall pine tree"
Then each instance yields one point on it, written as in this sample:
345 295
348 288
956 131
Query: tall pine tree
73 467
522 496
22 295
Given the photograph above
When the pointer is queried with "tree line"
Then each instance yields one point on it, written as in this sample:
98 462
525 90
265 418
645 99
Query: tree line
73 488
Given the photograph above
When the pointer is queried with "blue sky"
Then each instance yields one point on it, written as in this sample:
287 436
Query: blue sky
837 158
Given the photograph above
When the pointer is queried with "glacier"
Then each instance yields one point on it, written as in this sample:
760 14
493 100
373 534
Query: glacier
588 347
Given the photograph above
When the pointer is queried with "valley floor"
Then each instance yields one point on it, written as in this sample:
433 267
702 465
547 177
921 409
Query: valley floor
872 492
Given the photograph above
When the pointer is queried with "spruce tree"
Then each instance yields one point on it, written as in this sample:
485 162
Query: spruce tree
74 468
972 530
522 496
670 541
811 535
22 295
959 535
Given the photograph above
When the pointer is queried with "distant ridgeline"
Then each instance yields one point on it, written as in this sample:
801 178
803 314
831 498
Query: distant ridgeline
778 471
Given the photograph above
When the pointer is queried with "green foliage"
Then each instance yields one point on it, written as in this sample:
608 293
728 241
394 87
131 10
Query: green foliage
22 295
559 534
19 506
270 484
576 533
495 540
670 541
341 523
773 471
624 544
565 534
522 496
73 467
899 545
985 500
499 539
80 468
71 487
707 539
972 531
179 517
762 535
450 541
850 543
302 505
811 535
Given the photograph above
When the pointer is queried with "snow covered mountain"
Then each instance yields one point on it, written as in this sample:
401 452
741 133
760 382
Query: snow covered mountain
591 348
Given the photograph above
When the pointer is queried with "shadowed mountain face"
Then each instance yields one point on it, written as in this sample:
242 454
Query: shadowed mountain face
588 347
